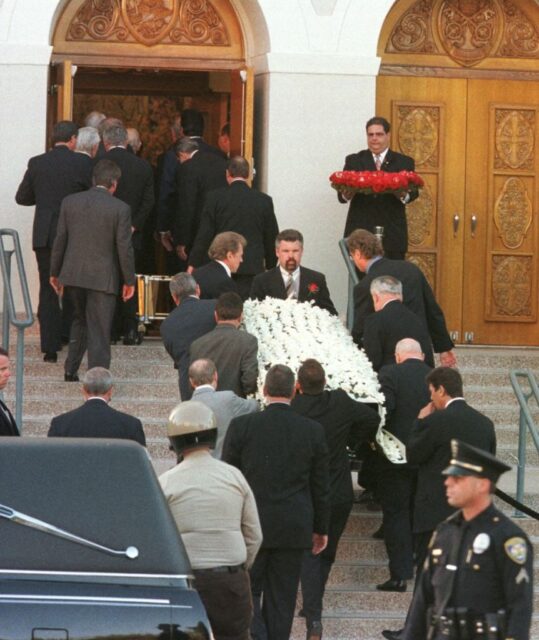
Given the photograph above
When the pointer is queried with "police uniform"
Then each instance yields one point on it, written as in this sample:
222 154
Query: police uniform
477 580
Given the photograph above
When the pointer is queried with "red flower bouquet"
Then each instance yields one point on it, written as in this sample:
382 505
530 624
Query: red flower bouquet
370 182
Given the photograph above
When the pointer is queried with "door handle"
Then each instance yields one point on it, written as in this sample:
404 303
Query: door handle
456 221
473 222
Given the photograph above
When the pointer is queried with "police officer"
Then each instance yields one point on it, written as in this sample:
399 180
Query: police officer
477 580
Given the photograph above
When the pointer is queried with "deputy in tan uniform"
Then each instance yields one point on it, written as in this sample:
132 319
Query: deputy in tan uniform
216 515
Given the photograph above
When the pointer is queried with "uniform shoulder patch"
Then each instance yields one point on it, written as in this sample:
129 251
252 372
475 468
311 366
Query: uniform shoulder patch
517 549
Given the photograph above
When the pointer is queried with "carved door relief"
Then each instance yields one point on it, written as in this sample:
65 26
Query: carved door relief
459 83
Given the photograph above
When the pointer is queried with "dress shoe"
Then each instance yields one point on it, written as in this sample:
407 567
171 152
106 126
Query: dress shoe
50 356
314 632
71 377
392 635
392 585
131 338
379 533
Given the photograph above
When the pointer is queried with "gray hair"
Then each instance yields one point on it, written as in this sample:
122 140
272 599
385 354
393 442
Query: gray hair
97 381
183 285
133 139
87 139
186 145
408 345
202 371
94 119
386 285
115 135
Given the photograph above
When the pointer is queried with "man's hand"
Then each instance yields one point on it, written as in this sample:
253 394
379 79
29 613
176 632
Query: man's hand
320 542
166 240
181 253
55 284
448 359
427 410
190 268
347 194
128 291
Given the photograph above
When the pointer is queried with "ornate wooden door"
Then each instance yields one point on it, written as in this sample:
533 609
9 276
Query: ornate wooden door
459 82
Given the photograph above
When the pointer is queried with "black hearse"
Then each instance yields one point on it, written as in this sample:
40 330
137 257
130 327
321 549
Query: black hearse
88 547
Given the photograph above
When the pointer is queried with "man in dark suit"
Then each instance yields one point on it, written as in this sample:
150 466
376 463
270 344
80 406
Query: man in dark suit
91 256
193 127
135 188
233 350
8 426
199 173
190 319
447 416
391 322
345 422
95 418
367 211
289 280
367 254
284 458
247 212
49 178
406 393
226 254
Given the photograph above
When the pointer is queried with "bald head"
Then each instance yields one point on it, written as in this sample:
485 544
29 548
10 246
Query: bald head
408 348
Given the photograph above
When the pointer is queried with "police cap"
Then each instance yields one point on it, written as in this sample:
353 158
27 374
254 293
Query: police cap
471 461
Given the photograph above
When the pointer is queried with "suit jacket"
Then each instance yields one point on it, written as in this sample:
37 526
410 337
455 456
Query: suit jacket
8 426
225 405
417 296
135 186
243 210
96 419
345 421
213 280
189 320
406 393
429 446
234 352
270 284
284 458
195 177
368 211
166 189
384 328
93 246
49 178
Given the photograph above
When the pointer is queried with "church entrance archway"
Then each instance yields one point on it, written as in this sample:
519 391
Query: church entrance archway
459 82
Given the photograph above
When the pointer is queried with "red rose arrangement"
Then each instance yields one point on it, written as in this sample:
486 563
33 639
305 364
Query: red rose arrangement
369 182
313 288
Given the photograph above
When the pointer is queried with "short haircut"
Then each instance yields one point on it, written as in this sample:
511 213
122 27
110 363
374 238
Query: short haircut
280 382
105 173
202 371
94 119
115 135
107 123
87 139
381 121
225 242
238 167
225 129
229 306
408 345
365 242
448 378
97 381
4 352
289 235
183 285
386 285
133 139
192 122
185 145
311 377
63 131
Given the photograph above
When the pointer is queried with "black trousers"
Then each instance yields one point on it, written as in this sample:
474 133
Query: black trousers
315 569
396 489
243 282
227 599
274 586
54 321
92 322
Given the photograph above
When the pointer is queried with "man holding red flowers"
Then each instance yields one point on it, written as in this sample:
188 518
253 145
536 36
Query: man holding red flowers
386 210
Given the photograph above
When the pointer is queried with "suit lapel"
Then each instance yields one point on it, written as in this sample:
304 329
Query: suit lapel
388 160
277 283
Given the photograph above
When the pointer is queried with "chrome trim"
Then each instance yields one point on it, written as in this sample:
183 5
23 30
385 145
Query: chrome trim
186 576
467 465
84 598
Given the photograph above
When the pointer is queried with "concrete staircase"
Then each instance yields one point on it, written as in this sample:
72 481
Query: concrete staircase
146 386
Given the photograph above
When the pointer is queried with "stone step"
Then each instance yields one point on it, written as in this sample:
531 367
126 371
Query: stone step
39 387
150 349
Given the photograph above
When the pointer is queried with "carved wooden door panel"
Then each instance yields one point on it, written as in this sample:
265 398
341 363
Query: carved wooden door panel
500 227
428 117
